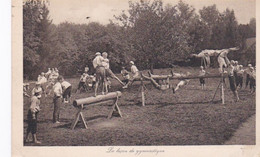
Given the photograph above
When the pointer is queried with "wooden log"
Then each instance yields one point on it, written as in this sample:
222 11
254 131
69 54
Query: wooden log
97 99
164 77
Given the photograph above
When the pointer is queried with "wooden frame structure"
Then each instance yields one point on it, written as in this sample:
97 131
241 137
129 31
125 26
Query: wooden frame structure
81 103
172 77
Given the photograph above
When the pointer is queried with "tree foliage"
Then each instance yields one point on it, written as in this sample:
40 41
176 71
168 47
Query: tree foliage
151 33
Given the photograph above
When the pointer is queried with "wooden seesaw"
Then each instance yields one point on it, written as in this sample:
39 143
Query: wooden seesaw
81 103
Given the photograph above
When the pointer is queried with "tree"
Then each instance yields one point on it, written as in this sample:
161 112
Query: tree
155 32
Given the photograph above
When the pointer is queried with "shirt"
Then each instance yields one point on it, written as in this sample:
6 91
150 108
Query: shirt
134 69
42 80
202 73
97 61
36 90
105 63
230 70
35 104
236 68
65 84
83 78
57 89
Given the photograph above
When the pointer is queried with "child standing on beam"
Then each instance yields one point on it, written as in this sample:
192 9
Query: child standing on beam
109 73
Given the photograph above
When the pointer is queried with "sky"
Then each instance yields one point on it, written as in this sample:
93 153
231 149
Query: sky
101 11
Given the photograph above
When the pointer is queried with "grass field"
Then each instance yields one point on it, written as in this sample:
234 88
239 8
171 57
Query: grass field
184 118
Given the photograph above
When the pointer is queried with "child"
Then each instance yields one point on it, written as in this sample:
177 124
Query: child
125 75
109 73
232 81
164 86
239 79
66 88
252 77
57 100
32 117
182 82
135 74
202 72
37 88
25 89
247 71
82 82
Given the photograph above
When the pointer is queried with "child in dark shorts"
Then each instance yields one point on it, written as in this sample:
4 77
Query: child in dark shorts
232 81
32 118
202 72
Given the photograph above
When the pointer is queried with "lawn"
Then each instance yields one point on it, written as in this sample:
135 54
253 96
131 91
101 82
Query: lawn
184 118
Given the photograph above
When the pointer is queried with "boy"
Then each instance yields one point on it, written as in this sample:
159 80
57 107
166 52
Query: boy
252 77
32 117
109 73
25 89
164 86
202 72
57 100
247 71
125 75
135 74
232 81
66 88
82 82
239 78
182 82
37 88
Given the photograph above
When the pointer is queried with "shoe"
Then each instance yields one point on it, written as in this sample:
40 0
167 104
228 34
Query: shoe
37 142
66 102
125 87
27 140
57 122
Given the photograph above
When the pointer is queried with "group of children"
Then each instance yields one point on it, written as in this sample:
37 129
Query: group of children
61 94
62 89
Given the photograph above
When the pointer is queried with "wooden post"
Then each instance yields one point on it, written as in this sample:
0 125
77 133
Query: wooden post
79 115
115 108
222 90
142 92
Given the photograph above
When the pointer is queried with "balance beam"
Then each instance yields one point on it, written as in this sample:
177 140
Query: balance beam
81 103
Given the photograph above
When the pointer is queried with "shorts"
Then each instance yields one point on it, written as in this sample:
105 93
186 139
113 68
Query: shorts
32 123
202 81
232 83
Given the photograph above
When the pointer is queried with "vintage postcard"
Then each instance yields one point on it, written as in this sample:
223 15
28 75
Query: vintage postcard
135 78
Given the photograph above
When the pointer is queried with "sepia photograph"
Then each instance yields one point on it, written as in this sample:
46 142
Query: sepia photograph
119 73
138 73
